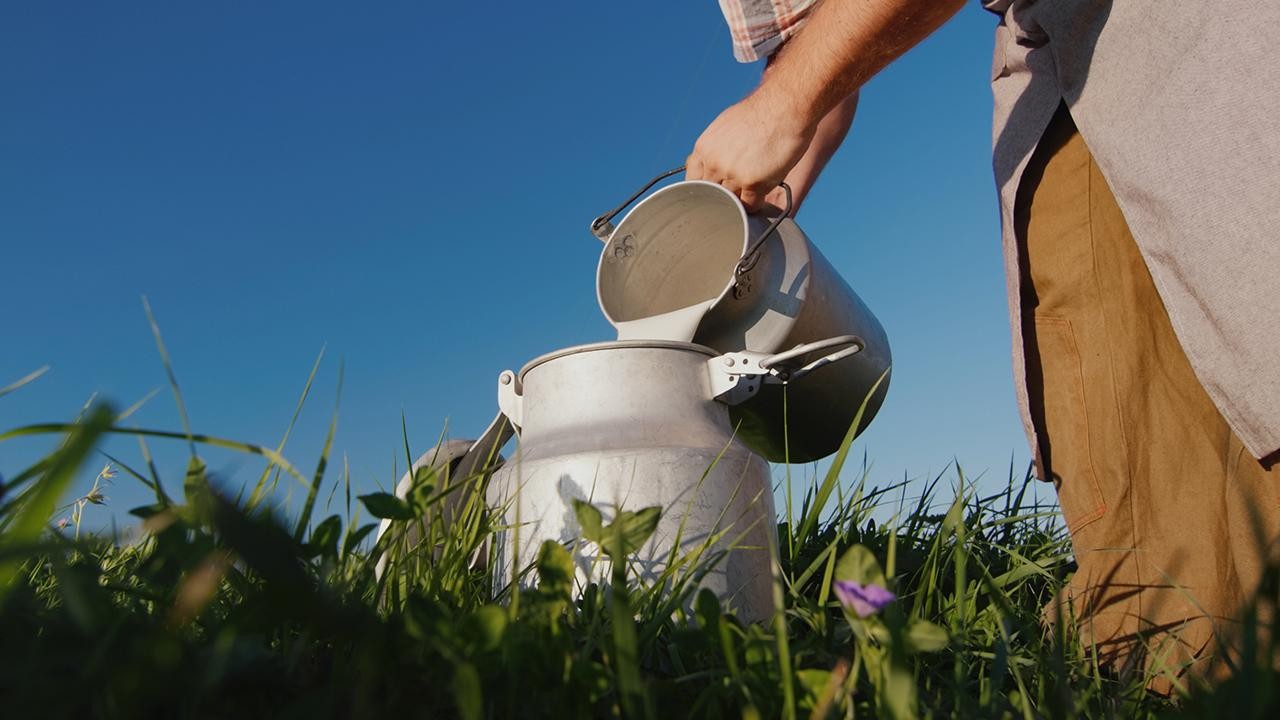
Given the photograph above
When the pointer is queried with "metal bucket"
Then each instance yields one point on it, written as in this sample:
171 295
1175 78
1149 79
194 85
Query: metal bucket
628 425
689 263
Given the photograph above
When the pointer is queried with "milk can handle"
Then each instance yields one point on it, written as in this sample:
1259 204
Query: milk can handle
602 227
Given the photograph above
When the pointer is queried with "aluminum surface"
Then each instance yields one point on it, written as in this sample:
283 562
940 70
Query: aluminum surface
633 425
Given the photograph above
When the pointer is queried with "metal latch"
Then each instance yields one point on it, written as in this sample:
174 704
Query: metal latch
737 376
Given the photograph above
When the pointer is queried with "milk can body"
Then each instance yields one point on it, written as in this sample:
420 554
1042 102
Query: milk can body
628 425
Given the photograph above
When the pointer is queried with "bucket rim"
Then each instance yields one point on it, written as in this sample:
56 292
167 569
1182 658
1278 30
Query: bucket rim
682 184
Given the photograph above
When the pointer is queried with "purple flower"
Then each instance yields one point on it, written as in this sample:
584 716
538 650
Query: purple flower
863 600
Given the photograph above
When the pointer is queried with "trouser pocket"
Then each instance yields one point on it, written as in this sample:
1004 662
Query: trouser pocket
1057 397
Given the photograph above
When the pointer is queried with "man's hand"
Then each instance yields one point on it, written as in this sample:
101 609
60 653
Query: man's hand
750 148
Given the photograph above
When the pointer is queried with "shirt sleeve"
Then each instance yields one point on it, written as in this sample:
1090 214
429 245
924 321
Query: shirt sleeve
759 27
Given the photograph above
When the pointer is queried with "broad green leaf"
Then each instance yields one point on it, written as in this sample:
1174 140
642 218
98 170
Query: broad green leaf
486 626
387 506
812 682
636 527
924 636
590 521
859 565
356 537
324 539
707 608
555 568
628 531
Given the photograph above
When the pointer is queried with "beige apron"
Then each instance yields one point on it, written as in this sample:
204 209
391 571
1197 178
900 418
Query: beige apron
1178 102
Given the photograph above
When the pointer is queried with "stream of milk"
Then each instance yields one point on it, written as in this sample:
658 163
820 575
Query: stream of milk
677 325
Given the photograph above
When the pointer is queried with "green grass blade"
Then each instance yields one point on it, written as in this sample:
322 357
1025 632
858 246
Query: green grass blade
137 406
25 380
168 369
318 477
259 488
40 501
196 438
814 511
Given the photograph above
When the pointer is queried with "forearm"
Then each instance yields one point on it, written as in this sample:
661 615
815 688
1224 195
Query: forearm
827 138
843 44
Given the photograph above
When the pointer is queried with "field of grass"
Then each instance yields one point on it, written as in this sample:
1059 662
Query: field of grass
225 606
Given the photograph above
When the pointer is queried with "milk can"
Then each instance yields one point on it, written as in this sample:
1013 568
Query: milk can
689 263
628 425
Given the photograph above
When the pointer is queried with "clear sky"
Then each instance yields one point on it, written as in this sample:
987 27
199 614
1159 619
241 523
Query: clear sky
411 188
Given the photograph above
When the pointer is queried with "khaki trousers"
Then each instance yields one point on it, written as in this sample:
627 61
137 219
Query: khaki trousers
1170 517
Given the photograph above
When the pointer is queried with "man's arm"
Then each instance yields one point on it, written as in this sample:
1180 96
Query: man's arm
828 136
753 145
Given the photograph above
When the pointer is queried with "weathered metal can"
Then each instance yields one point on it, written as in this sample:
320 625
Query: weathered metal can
625 426
689 263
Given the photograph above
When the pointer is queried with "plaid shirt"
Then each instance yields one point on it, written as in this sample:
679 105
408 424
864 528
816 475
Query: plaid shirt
759 27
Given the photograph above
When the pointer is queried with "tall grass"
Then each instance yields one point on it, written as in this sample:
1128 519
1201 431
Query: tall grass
221 607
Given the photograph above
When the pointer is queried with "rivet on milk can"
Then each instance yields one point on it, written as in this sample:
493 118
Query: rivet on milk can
689 263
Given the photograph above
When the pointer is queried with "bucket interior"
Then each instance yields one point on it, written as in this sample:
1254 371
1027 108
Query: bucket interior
676 249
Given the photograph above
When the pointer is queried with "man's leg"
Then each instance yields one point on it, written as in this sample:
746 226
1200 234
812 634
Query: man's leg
1169 516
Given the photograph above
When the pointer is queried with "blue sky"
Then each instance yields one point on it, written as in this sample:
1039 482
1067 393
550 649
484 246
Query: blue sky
411 189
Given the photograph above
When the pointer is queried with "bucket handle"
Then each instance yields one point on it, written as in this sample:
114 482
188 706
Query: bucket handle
602 227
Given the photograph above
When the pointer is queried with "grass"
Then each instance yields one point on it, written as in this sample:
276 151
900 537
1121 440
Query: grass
222 607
